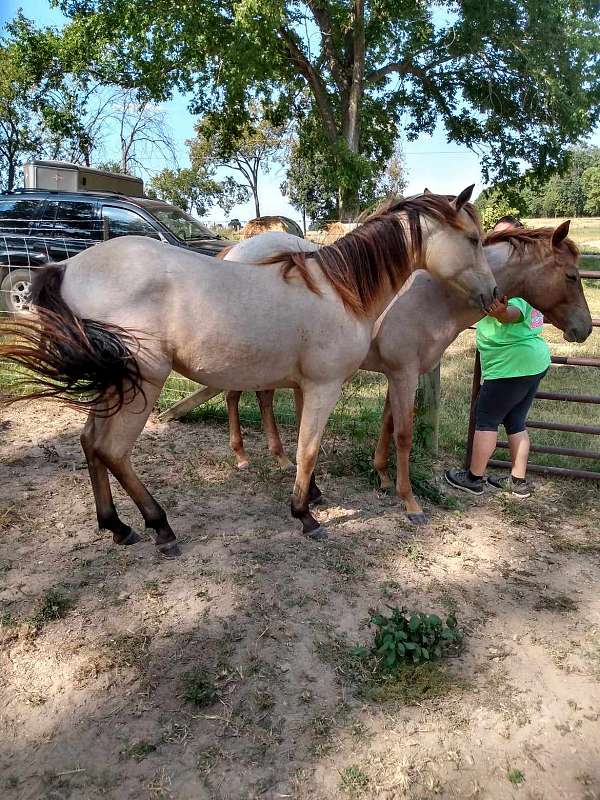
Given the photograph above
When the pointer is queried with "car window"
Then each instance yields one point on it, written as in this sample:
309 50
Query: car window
18 214
123 222
76 219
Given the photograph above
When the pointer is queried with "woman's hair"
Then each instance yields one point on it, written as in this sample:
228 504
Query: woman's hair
510 220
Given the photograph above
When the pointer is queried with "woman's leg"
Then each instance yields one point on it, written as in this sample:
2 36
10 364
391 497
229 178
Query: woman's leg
515 423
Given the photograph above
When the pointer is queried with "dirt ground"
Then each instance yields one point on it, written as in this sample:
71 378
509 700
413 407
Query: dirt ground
96 703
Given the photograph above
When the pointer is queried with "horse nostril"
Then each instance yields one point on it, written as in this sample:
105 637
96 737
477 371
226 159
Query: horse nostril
495 292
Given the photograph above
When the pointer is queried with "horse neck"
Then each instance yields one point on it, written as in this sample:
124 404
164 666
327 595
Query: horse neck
388 293
508 269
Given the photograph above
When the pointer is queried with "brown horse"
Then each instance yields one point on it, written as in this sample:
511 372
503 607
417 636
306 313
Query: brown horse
112 322
539 265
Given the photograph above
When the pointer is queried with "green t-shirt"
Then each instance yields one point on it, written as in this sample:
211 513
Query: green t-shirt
510 350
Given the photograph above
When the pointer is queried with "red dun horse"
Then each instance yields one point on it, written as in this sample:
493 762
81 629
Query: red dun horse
424 319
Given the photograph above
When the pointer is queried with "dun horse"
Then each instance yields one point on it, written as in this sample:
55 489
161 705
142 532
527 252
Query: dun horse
424 319
113 321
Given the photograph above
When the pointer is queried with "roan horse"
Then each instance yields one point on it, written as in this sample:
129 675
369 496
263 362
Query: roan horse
112 322
425 318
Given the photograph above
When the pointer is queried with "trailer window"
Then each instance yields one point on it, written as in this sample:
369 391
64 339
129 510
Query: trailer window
123 222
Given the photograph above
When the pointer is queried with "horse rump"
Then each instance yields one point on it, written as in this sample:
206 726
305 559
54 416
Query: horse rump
84 363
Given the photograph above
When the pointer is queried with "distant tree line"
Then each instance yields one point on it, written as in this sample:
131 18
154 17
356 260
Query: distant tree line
573 192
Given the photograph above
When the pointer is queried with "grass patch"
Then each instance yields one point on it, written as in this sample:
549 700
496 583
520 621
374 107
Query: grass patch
53 605
515 776
353 781
560 603
140 750
129 650
411 684
565 544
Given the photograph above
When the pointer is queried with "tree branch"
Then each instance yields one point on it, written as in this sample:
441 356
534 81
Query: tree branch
323 19
314 80
400 67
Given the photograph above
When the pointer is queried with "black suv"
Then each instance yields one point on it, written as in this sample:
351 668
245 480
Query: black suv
38 227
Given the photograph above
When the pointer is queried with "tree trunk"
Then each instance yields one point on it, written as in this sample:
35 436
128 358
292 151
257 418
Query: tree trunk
349 202
349 205
10 183
256 201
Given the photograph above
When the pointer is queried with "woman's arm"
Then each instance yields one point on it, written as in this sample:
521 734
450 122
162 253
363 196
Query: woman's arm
504 313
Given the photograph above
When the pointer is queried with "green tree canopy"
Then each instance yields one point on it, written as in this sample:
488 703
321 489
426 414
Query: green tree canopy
197 189
248 150
590 183
516 80
565 194
40 105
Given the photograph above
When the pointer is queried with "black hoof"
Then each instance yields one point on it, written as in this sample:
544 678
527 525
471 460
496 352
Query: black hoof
169 549
417 519
319 534
132 538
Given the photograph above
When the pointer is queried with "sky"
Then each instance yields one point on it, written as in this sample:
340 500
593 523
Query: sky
430 160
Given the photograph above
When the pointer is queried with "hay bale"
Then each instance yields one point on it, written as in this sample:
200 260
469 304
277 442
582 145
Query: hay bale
260 225
338 229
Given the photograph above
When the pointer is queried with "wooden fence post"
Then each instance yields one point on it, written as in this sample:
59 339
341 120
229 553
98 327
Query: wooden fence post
429 394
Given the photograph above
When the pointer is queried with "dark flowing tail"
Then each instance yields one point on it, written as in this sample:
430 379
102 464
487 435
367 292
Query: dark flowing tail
84 363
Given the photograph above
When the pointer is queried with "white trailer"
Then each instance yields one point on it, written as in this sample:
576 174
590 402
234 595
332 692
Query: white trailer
67 177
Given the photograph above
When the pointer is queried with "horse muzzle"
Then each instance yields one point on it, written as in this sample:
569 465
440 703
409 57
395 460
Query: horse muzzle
578 333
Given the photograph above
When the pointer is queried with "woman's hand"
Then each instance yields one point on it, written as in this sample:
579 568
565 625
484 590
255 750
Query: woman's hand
500 310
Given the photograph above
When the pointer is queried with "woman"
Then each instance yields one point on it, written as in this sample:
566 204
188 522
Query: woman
514 359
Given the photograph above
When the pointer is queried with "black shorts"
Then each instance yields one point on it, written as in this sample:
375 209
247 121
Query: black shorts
506 400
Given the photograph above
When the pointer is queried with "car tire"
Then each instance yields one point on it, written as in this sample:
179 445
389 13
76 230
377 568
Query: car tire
14 291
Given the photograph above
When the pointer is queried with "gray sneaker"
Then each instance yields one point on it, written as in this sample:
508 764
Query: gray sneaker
459 478
507 484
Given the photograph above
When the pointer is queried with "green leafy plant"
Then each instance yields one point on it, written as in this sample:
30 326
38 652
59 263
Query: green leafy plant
199 689
413 638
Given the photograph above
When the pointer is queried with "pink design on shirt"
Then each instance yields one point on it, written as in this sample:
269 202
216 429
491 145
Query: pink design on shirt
537 318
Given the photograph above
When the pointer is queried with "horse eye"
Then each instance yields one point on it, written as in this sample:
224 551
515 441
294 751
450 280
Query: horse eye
572 278
474 240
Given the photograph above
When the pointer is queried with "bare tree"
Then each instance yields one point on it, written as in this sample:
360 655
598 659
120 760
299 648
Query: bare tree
142 131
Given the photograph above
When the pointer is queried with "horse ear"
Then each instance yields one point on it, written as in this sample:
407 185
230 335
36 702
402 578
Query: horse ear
463 197
561 233
427 191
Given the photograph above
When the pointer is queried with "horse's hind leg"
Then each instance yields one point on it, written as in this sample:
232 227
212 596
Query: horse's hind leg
402 396
236 441
113 443
382 451
108 519
274 443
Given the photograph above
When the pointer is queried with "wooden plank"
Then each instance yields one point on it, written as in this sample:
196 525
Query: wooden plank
188 403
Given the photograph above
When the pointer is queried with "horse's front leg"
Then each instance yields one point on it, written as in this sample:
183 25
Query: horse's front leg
274 443
236 441
315 495
381 459
319 400
402 390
